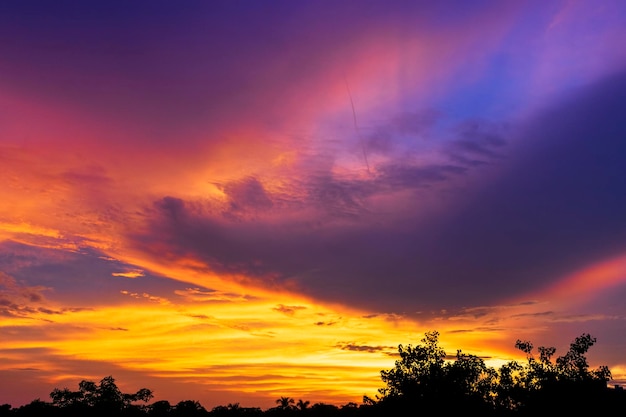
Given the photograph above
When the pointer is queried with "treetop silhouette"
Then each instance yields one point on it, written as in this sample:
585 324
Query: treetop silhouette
422 381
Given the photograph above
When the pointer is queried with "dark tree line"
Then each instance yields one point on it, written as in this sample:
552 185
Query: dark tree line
422 382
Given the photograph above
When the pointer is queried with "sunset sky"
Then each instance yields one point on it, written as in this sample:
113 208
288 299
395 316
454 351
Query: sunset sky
233 201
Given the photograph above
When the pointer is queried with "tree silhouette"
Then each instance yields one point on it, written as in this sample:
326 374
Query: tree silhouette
102 398
234 409
189 408
559 386
302 405
418 372
423 379
160 408
5 410
285 403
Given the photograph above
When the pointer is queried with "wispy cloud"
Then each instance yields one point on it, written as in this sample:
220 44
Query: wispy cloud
146 296
288 310
136 273
206 295
18 300
364 348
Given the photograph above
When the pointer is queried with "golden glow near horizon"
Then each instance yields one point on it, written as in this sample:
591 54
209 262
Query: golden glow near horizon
265 343
245 344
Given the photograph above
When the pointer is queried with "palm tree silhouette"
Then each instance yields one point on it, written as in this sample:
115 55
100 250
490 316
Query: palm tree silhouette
285 402
303 405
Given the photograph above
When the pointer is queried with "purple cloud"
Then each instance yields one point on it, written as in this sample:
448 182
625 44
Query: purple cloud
557 205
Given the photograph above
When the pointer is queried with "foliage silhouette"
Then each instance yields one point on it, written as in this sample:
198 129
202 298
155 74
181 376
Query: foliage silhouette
104 398
160 408
302 405
423 381
189 408
285 403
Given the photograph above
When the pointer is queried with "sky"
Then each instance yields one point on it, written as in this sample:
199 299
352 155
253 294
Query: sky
233 201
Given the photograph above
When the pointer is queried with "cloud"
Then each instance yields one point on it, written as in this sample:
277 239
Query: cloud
388 137
582 318
337 197
325 323
478 142
90 177
412 234
76 280
288 310
133 273
363 348
146 296
557 206
402 176
201 316
198 295
247 195
19 300
174 208
534 314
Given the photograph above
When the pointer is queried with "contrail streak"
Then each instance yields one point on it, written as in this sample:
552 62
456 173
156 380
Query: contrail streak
356 127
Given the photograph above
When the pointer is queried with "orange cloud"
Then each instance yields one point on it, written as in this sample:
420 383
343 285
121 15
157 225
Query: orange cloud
590 282
135 273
